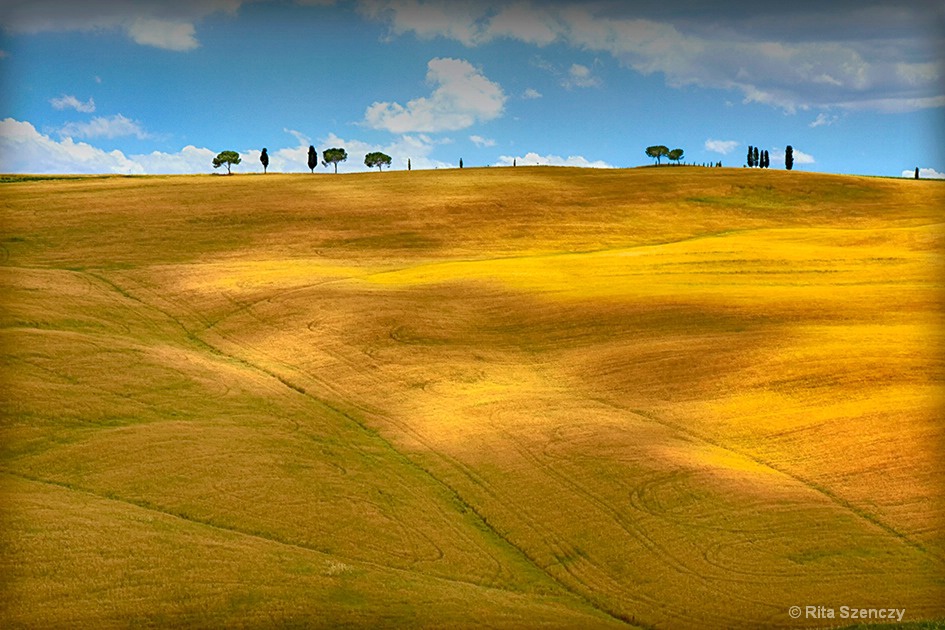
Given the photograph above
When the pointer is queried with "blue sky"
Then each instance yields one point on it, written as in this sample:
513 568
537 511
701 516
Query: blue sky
160 86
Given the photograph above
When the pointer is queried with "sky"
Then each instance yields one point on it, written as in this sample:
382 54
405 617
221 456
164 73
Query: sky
162 86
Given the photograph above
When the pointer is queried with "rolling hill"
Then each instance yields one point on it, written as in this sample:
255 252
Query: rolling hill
518 397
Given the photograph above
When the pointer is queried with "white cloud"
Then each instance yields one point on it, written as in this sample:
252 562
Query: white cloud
167 34
427 20
531 93
919 73
924 173
114 127
785 60
580 76
25 150
532 159
67 100
166 24
803 158
190 159
463 96
721 146
777 156
481 142
521 21
823 120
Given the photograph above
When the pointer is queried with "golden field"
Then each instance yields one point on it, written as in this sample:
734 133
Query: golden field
530 397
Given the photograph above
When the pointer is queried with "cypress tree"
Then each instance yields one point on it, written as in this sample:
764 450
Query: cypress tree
461 162
751 156
917 172
789 157
264 158
757 158
312 158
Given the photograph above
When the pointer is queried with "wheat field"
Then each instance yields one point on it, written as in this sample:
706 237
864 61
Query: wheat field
519 397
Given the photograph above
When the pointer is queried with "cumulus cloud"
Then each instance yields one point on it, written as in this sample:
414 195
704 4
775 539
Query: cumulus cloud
803 158
924 173
167 34
99 127
481 142
166 24
190 159
531 93
721 146
783 59
463 97
800 158
521 21
25 150
580 76
67 101
532 159
452 20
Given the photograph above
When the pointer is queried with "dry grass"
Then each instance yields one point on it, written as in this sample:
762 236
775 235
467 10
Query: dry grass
505 397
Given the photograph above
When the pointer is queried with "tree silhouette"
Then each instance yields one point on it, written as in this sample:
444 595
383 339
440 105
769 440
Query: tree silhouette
226 158
657 151
264 158
789 157
461 162
917 172
312 158
765 160
675 155
757 158
333 156
408 164
751 156
377 159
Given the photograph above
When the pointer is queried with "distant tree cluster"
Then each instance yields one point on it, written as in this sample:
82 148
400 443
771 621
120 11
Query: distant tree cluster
659 151
758 158
755 158
330 156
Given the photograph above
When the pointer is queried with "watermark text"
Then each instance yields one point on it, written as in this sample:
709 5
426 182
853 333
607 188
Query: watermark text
846 612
